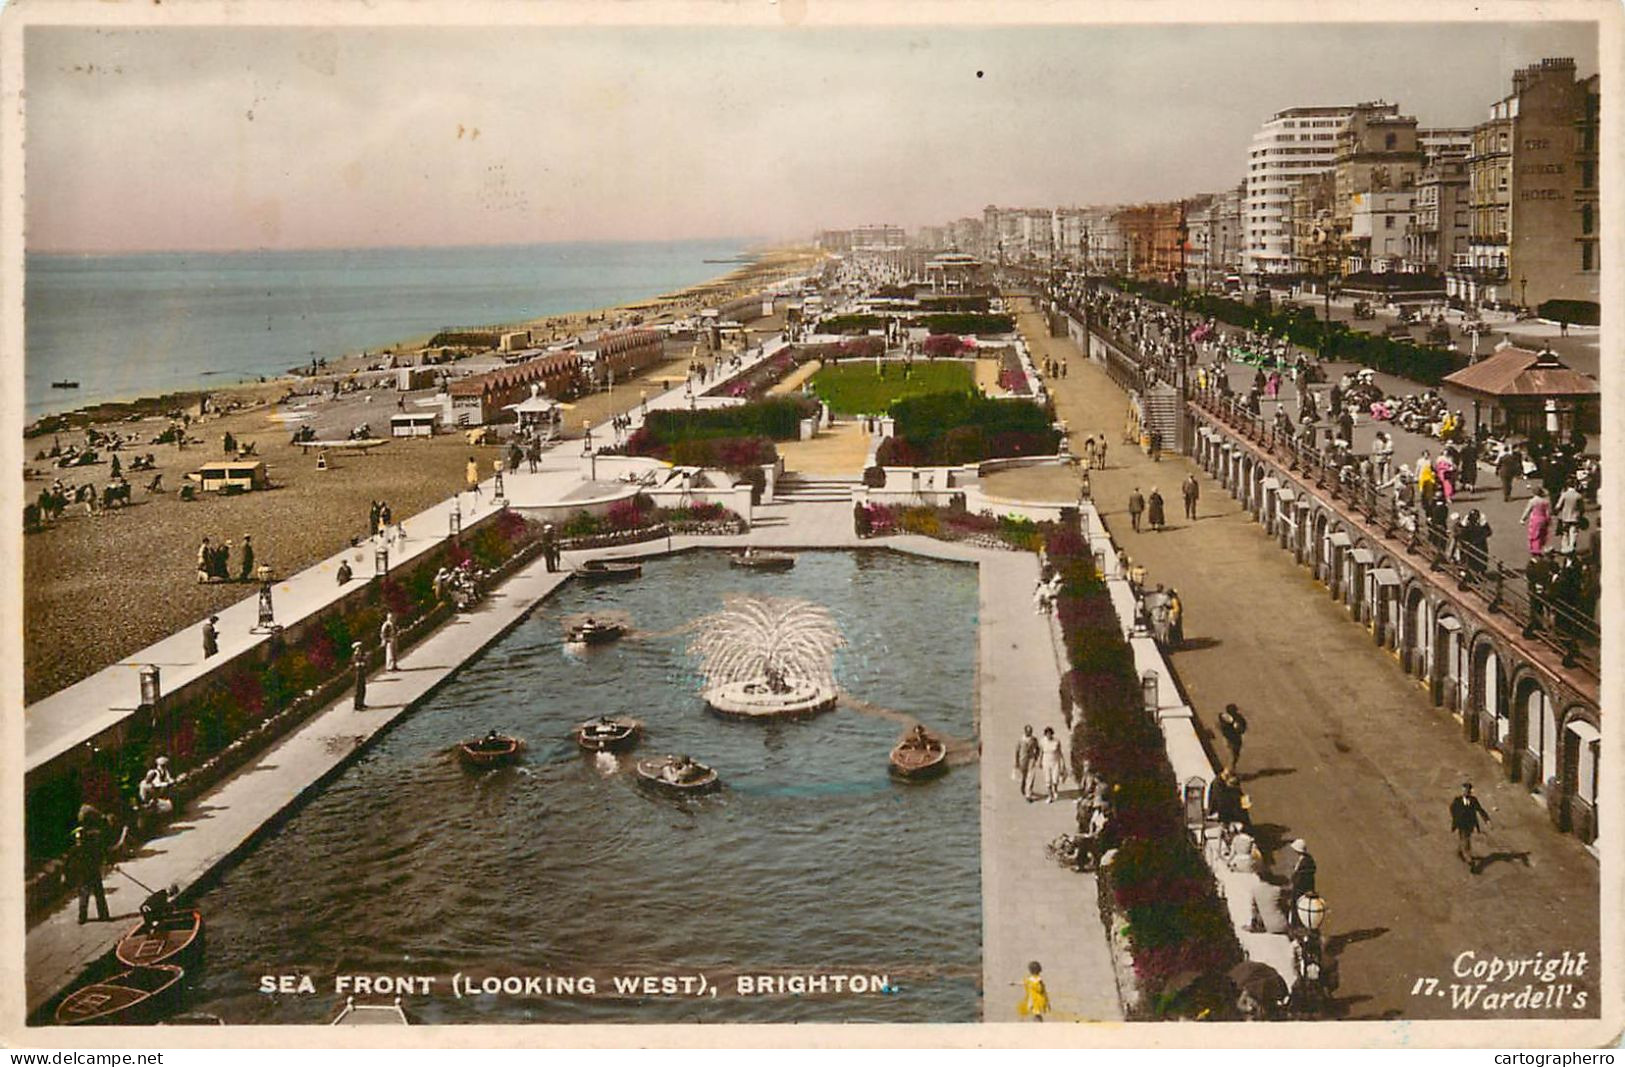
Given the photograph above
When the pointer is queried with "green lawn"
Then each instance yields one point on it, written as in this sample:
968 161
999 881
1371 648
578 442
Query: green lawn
853 388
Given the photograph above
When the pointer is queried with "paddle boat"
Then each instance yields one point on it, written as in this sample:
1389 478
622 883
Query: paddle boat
608 570
750 559
492 750
677 775
607 733
919 755
593 632
133 996
172 935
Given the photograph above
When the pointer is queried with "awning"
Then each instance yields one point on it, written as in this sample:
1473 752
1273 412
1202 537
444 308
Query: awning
1363 556
1272 483
1341 540
1584 730
1288 496
1386 576
1450 622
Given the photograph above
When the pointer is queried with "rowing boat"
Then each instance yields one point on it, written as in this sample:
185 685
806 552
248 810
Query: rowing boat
603 570
763 561
493 751
134 996
651 774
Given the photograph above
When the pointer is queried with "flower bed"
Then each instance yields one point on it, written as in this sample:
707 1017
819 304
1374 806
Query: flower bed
1012 376
1161 895
984 530
967 322
638 519
754 383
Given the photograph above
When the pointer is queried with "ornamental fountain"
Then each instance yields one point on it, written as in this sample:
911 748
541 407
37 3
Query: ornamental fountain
768 657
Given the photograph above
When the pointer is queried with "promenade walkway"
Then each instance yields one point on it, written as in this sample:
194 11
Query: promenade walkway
1032 909
1345 750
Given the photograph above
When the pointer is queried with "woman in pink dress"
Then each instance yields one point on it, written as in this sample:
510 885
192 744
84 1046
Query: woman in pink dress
1537 518
1446 473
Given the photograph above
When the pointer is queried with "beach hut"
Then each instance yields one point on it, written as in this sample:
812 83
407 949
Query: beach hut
237 476
414 424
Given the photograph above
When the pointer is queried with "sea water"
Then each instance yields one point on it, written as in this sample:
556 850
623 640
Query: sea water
139 325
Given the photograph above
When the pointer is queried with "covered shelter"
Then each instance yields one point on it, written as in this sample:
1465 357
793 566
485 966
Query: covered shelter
538 413
1531 392
232 476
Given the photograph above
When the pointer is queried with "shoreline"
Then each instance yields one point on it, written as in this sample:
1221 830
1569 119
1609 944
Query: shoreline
766 265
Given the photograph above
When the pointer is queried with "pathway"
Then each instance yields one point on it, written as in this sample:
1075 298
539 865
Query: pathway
1345 750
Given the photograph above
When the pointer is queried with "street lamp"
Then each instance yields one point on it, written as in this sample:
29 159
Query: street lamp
1523 284
1311 911
456 519
587 450
380 559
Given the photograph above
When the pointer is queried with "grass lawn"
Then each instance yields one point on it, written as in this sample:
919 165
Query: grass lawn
852 387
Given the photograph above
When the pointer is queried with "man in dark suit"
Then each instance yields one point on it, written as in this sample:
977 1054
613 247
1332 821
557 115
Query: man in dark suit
86 860
1465 811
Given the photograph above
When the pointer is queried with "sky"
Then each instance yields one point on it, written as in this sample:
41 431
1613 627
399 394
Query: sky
220 138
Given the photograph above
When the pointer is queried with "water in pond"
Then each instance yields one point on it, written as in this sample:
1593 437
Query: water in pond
809 861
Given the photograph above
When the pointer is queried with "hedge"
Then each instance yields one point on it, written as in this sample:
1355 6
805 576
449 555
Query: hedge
778 419
1336 340
1577 312
1176 919
964 322
850 324
951 428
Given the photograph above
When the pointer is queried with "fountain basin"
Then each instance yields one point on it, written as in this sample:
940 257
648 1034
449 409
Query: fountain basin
758 700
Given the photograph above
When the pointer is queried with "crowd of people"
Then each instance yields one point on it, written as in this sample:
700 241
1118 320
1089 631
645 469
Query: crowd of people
464 585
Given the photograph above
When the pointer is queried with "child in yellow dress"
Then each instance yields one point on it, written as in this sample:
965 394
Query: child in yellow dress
1036 1001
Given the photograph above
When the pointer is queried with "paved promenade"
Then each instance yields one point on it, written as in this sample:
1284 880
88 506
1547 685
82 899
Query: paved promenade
1345 750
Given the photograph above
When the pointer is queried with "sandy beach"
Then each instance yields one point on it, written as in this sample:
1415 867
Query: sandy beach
99 587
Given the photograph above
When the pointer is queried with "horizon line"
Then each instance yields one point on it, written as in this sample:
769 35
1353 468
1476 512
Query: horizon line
749 243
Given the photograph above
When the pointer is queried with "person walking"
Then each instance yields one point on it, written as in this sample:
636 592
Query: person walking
1465 812
496 466
1156 445
1507 468
358 661
1053 763
1136 507
1176 620
1537 520
1233 727
1154 510
386 637
205 561
1100 452
1027 761
1192 491
1035 998
211 637
246 572
1088 453
472 476
1570 513
89 853
1303 870
373 513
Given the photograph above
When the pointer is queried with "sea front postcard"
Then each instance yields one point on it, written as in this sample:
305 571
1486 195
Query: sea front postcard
911 524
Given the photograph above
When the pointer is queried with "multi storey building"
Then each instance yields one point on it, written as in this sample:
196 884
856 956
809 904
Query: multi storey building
1533 183
1216 236
1437 239
1292 145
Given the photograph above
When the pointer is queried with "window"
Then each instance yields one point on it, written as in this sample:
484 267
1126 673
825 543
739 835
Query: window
1588 218
1588 255
1388 222
1588 175
1390 141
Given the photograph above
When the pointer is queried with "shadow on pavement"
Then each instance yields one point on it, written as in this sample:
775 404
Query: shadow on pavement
1268 772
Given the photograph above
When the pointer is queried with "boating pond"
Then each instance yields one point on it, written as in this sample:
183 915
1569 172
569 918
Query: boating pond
811 861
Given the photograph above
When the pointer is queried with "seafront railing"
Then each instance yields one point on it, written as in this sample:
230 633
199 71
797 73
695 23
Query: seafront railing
1562 625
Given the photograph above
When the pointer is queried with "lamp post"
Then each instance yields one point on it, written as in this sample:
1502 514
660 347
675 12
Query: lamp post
1523 285
267 611
456 519
587 450
380 559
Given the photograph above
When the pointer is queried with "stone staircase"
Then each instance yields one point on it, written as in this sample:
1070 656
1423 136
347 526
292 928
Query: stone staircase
796 489
1164 413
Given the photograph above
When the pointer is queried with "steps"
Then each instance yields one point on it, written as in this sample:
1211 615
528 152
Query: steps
794 489
1164 413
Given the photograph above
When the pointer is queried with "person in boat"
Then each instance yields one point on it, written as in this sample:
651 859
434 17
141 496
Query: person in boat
158 906
683 770
494 740
603 726
918 738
